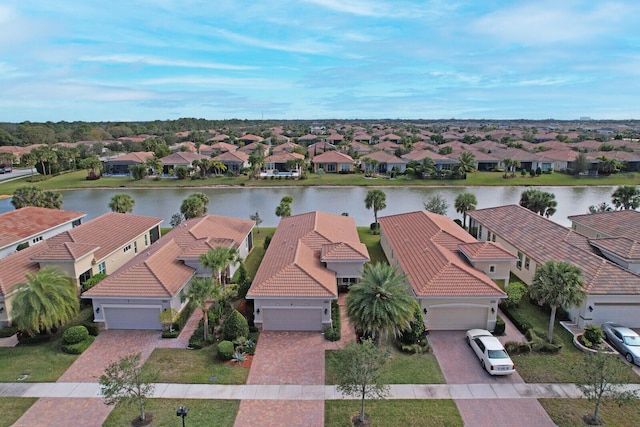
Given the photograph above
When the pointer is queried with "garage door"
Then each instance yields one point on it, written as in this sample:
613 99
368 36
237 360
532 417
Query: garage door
625 314
457 318
132 318
292 319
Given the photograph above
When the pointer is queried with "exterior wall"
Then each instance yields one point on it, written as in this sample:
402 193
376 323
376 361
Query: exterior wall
99 303
486 302
261 303
346 269
36 238
501 272
632 266
588 232
582 316
119 257
5 303
71 269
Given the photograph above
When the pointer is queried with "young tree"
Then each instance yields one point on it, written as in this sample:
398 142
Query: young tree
201 293
48 300
602 376
465 202
194 206
121 203
155 164
33 196
256 217
557 284
168 317
376 199
626 197
436 204
580 164
381 304
126 381
138 172
359 372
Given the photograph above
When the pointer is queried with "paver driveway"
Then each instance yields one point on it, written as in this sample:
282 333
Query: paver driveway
460 365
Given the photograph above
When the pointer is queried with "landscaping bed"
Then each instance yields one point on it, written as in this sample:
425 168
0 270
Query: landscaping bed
570 412
416 413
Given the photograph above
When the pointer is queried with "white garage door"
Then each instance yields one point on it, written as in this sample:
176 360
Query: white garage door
625 314
457 318
132 318
292 319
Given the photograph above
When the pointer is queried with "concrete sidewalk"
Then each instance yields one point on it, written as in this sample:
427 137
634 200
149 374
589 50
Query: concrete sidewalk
306 392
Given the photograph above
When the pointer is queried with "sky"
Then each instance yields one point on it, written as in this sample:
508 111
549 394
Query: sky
139 60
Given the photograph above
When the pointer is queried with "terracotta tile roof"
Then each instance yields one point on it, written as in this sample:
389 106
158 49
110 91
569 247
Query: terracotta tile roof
627 249
420 155
344 251
21 224
283 157
426 247
219 147
485 251
249 148
232 156
332 157
624 223
544 240
285 146
182 158
291 266
159 271
102 235
387 145
221 137
251 138
134 157
383 157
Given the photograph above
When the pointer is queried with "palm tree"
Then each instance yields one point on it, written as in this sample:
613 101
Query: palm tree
539 201
558 284
465 202
217 166
626 197
48 300
600 207
377 200
194 206
381 304
256 161
284 208
201 293
121 203
428 166
609 165
467 162
155 164
218 261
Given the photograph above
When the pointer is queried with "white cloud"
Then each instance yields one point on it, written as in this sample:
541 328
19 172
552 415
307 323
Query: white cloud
299 46
226 82
150 60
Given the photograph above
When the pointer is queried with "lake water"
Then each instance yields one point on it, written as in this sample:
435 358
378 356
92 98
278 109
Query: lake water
242 202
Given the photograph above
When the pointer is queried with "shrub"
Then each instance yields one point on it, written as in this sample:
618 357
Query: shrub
22 246
515 347
412 335
170 334
267 241
92 328
185 314
8 331
594 334
500 326
225 350
539 344
235 326
331 334
92 281
519 321
417 348
75 334
334 333
24 338
79 347
515 292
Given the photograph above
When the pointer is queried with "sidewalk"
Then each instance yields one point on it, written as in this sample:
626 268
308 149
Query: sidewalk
307 392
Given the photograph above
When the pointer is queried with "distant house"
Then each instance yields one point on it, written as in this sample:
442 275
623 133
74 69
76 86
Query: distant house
258 147
308 257
452 275
133 296
29 226
441 162
382 162
279 162
333 162
235 161
249 138
613 291
185 159
289 147
120 165
217 148
389 146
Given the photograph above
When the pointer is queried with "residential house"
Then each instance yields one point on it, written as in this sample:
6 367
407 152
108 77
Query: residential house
235 161
289 147
282 162
441 162
613 291
453 277
382 162
29 226
388 146
249 138
134 295
258 147
101 245
120 165
333 162
180 158
217 148
308 257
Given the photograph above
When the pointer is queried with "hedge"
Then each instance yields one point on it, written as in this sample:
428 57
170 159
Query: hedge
78 348
334 333
225 350
75 335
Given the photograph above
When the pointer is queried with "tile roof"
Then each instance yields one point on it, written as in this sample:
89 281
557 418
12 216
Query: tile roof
232 156
383 157
283 157
182 158
159 271
344 251
426 247
623 223
102 235
133 157
332 157
627 249
291 266
21 224
544 240
485 251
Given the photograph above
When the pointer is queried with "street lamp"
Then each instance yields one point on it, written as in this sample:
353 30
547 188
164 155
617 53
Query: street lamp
182 412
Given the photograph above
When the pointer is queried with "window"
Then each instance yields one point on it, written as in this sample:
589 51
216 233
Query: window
75 223
102 268
527 262
479 232
84 277
146 239
520 256
488 236
345 167
127 248
574 227
493 237
37 239
135 247
330 167
348 281
492 269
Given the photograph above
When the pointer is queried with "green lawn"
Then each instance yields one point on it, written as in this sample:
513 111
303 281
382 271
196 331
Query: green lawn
401 369
194 367
372 242
569 412
257 253
552 368
338 413
77 180
12 408
214 413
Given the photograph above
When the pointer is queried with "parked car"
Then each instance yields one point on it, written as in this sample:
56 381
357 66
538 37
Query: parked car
625 340
493 357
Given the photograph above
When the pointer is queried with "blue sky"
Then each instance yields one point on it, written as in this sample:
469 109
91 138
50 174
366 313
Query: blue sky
318 59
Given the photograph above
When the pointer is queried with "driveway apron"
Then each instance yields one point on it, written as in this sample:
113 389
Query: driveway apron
460 365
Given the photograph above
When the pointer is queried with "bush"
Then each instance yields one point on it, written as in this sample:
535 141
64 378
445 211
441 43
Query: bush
8 331
500 326
235 326
225 350
515 347
75 335
185 314
334 333
538 342
267 241
417 348
331 334
92 281
24 338
170 334
515 292
416 330
518 320
79 347
594 334
92 328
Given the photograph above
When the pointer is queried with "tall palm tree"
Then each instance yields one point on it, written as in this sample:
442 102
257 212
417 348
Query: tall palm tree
467 162
217 166
626 197
381 304
121 203
539 201
48 300
558 284
376 199
201 293
155 164
465 202
218 260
